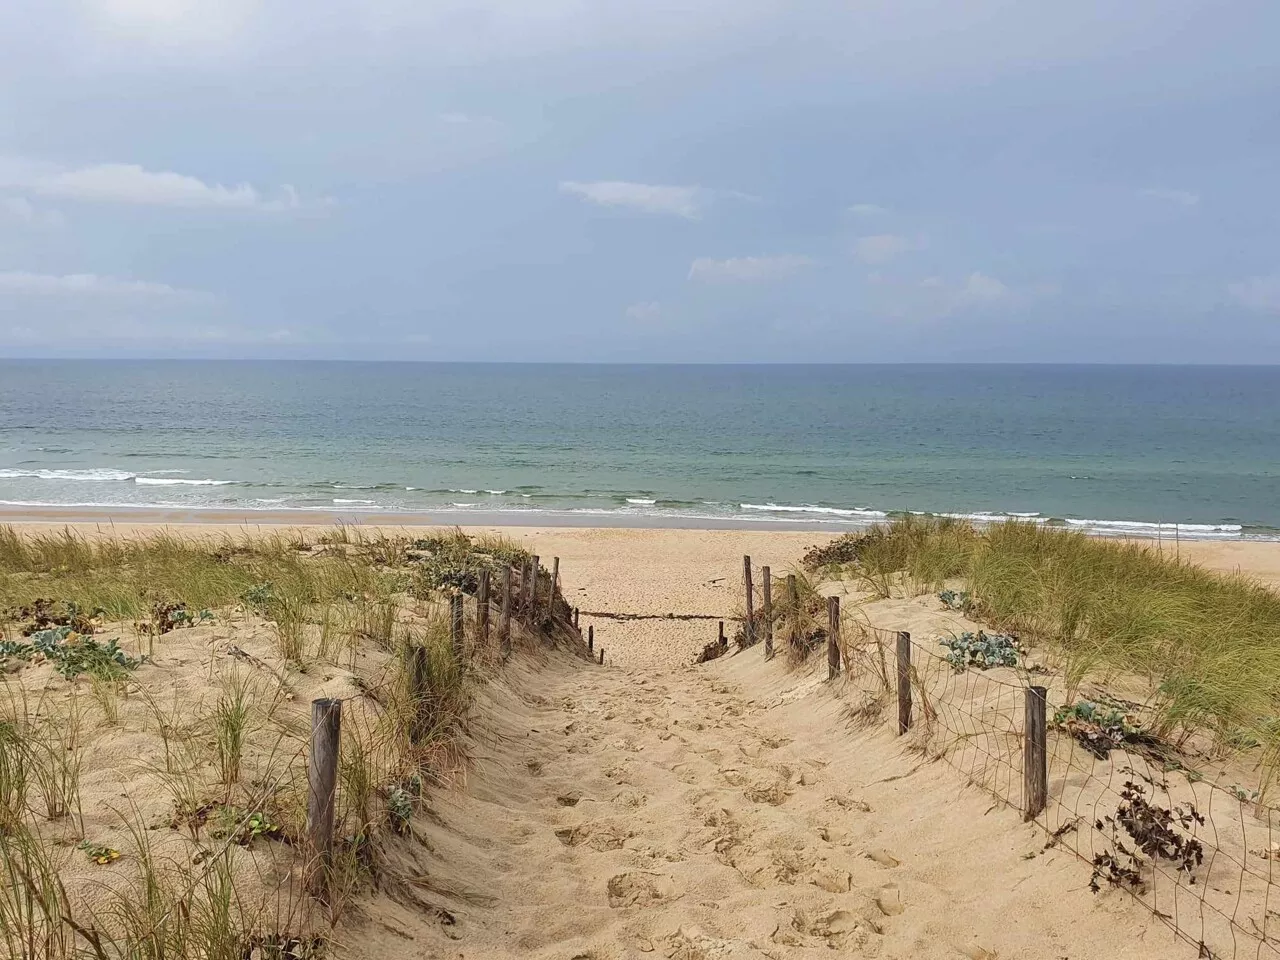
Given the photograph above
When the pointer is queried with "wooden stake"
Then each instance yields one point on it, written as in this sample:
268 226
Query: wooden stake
793 598
322 788
482 607
602 656
833 637
576 614
555 579
418 725
504 626
455 625
904 682
767 585
749 633
591 637
720 637
1035 754
535 566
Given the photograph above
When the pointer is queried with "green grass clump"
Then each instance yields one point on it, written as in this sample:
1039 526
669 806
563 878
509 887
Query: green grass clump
1208 643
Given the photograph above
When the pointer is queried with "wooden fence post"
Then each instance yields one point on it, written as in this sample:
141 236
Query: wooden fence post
504 625
1035 754
767 586
535 565
576 614
793 598
322 788
482 607
591 637
749 633
904 682
418 725
602 656
455 625
833 637
721 639
555 578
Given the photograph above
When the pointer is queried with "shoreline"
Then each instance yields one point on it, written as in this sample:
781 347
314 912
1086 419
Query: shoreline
622 547
578 520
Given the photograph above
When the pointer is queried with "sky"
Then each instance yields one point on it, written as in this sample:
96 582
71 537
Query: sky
641 180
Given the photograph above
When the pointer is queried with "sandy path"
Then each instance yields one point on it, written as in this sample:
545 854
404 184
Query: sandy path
728 811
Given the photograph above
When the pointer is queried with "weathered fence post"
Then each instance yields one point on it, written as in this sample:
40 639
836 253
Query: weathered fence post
904 682
767 586
455 625
576 614
555 578
749 633
793 598
535 565
504 625
418 725
322 788
1035 754
482 607
591 637
833 637
602 656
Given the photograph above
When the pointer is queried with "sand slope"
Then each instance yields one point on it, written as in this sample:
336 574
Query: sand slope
728 811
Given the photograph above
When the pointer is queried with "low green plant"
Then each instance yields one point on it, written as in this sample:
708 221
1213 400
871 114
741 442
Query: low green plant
98 853
399 808
956 600
72 654
981 650
230 726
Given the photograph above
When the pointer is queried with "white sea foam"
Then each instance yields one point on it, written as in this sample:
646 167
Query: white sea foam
85 476
641 501
496 493
830 511
363 503
985 516
464 506
180 482
1146 526
467 492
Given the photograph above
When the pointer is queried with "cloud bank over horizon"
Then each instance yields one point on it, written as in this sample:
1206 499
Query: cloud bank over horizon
894 180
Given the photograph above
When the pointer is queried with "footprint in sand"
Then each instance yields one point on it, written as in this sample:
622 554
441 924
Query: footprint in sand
569 799
774 794
889 901
883 857
640 889
597 836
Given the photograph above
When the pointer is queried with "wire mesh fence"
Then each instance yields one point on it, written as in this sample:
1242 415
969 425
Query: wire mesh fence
1202 857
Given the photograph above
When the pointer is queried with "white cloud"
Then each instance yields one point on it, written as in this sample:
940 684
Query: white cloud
867 210
23 210
644 312
91 285
981 288
747 269
1183 198
881 247
130 183
1257 293
684 202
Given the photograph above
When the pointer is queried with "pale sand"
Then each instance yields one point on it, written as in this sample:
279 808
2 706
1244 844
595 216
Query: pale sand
731 810
663 571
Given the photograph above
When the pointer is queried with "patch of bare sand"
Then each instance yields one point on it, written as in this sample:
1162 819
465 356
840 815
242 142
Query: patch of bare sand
729 811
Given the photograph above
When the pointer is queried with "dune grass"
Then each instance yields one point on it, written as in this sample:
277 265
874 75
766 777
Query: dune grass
1207 643
281 615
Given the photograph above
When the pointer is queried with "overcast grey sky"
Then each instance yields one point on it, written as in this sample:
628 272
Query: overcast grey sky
641 179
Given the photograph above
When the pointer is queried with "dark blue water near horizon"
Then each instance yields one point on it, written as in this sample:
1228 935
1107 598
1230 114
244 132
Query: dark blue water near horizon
1101 447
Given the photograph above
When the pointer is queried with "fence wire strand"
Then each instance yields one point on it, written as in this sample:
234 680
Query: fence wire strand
1208 874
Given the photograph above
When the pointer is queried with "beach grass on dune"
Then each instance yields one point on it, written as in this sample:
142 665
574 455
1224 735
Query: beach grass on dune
1207 643
285 615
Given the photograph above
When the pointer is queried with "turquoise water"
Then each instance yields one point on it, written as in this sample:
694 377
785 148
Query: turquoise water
1108 448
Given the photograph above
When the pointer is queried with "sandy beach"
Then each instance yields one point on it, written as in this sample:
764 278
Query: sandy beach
647 572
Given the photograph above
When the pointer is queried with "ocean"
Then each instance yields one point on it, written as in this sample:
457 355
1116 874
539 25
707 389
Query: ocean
1186 451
